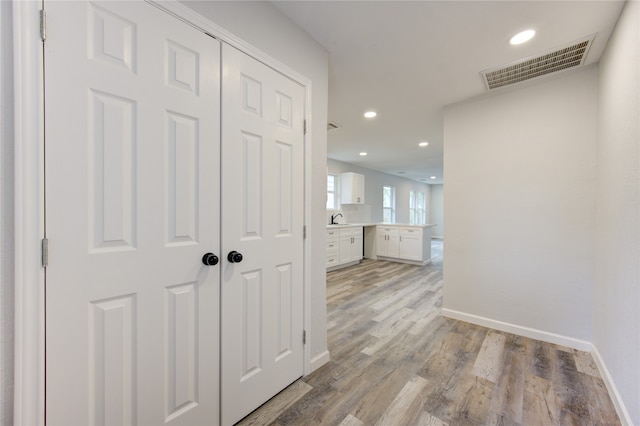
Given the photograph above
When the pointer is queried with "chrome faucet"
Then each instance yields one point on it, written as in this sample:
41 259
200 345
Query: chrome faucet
333 218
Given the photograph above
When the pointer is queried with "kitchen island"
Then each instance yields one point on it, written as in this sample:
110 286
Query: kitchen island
399 242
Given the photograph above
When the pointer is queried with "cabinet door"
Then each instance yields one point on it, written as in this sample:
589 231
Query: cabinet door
352 188
410 247
358 189
381 243
356 247
388 240
393 244
345 249
411 243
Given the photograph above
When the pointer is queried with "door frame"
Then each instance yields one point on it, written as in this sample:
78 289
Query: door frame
29 205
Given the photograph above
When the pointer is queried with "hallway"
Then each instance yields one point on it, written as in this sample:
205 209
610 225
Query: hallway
396 361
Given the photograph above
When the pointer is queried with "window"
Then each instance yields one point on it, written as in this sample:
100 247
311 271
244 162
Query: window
417 208
388 204
332 192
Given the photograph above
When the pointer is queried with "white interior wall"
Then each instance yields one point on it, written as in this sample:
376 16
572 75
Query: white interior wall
6 215
616 334
265 28
520 246
437 211
373 182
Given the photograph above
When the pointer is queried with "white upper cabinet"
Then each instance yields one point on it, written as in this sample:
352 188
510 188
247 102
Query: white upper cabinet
352 191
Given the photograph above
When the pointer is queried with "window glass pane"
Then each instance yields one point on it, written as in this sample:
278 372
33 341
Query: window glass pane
388 204
331 183
332 192
331 203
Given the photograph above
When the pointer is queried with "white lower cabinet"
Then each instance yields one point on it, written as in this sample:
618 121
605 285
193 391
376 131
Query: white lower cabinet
333 248
350 245
403 243
344 246
410 244
387 239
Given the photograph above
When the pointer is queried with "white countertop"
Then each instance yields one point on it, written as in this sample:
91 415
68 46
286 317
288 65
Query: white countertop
428 225
357 225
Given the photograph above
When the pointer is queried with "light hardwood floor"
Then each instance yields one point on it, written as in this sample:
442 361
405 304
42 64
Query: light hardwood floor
396 361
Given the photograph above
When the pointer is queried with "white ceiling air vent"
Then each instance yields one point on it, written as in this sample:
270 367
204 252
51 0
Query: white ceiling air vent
526 69
332 126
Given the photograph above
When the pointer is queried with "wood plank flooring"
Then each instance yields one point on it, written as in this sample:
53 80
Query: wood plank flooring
396 361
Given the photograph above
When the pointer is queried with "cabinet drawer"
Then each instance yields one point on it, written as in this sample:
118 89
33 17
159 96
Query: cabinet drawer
384 230
416 232
333 244
333 260
333 233
350 232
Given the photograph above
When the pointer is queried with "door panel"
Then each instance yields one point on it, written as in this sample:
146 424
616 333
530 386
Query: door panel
132 154
262 210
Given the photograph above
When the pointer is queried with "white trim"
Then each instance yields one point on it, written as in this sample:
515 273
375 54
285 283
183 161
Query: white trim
621 409
532 333
343 265
407 261
307 366
29 382
320 360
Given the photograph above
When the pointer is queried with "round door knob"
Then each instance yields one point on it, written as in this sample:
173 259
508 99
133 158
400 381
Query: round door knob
234 257
210 259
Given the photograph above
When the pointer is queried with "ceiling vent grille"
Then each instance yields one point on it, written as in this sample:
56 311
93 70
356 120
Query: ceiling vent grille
332 126
527 69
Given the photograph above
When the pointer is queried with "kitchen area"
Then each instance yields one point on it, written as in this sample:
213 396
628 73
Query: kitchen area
359 209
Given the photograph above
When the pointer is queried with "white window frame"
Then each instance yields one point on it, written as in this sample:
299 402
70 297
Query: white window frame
390 210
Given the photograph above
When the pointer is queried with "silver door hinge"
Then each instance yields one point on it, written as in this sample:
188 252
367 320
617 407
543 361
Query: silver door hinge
304 232
45 252
304 337
304 127
43 25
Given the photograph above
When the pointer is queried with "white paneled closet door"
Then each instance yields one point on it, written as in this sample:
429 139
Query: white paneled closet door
132 186
262 217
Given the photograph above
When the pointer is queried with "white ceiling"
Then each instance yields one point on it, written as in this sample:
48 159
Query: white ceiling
406 60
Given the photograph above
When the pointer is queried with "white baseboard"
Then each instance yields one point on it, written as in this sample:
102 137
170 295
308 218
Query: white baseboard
621 409
410 262
532 333
319 360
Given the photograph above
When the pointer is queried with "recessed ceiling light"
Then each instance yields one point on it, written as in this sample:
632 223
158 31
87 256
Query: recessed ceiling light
433 177
522 37
370 114
423 144
363 153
